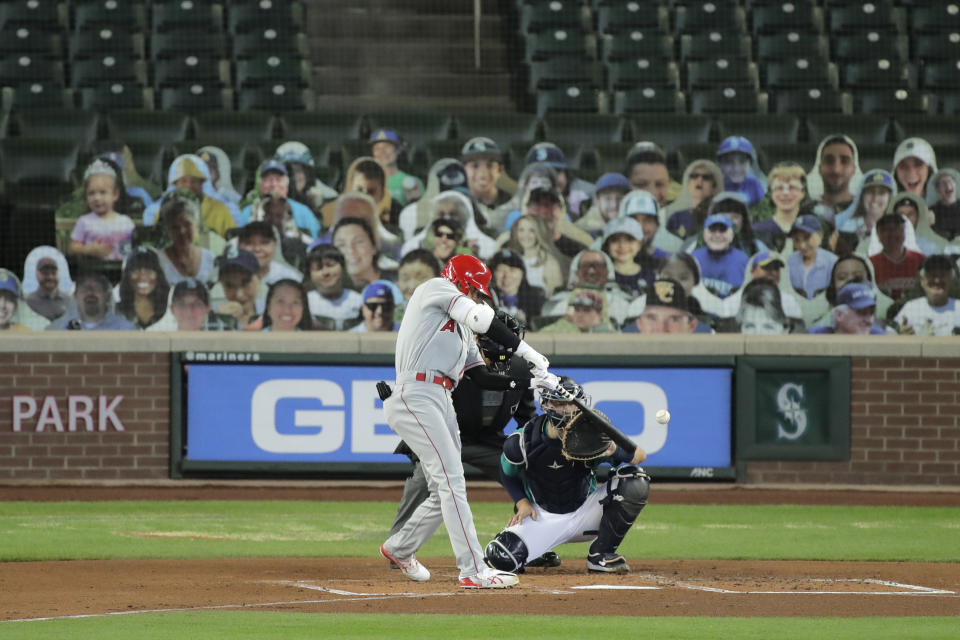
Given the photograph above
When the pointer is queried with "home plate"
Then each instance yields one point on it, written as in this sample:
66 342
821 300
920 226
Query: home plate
635 587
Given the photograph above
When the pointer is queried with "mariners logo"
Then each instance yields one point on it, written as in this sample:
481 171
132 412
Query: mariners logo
790 405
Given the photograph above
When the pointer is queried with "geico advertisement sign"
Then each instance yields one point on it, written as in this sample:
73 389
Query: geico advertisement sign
334 414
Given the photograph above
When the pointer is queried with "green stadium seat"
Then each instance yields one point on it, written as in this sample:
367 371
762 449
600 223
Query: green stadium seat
870 45
895 101
196 96
43 16
723 73
875 156
879 15
572 97
329 127
551 14
864 129
137 125
941 75
649 100
186 14
243 17
611 156
812 100
57 124
551 73
803 153
939 17
248 126
275 98
637 43
182 43
937 46
584 131
500 127
792 45
18 41
95 14
728 100
801 73
624 17
875 74
687 153
943 129
191 69
37 172
35 95
949 102
710 16
116 95
437 149
24 69
271 69
554 43
671 131
109 68
715 44
784 17
642 72
769 129
261 42
105 42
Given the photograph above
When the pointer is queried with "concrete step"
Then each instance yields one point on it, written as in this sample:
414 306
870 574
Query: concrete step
438 56
372 103
396 81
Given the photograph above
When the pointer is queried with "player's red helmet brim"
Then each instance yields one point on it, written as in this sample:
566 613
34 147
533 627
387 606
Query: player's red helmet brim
464 271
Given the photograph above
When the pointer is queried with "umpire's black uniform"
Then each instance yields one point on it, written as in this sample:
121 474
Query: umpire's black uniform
482 415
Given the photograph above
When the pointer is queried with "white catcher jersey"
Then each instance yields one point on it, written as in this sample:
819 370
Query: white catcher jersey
429 339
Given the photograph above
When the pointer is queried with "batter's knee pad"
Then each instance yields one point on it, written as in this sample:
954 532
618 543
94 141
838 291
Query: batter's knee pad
506 552
633 488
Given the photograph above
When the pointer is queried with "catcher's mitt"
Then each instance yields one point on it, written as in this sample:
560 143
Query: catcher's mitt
583 439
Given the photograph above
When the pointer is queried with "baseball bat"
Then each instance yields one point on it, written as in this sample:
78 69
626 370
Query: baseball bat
615 434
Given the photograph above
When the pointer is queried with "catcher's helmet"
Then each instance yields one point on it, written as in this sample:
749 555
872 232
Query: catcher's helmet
497 354
547 397
466 271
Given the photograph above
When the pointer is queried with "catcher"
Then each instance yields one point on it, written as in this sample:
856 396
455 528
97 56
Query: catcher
548 468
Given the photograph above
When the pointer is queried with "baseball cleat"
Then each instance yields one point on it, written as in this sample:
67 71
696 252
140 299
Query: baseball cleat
489 579
549 559
607 563
410 567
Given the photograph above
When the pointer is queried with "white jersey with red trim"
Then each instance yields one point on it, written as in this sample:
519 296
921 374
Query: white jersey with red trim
429 339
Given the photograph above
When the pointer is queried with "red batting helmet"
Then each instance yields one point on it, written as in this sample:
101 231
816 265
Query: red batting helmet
464 271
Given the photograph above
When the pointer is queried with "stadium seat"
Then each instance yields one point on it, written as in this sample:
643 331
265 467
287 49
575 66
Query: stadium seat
783 17
943 129
116 95
191 69
895 101
812 100
623 17
949 102
636 43
553 43
642 72
878 74
245 126
800 73
274 98
37 172
710 16
105 42
35 95
134 125
715 44
181 43
581 98
875 156
271 69
722 72
728 100
771 128
329 127
243 17
57 124
551 73
684 154
937 46
18 41
195 97
437 149
260 42
771 155
186 14
939 17
95 14
941 75
551 14
611 156
42 16
584 131
879 15
649 100
28 69
864 129
414 127
670 131
500 127
792 45
109 68
870 45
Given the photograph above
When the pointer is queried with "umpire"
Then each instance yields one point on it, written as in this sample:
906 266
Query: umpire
485 401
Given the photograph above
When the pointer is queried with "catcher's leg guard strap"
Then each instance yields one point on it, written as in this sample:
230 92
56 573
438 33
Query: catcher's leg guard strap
628 499
506 552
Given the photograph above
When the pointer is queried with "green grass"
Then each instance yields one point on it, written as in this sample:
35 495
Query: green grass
277 626
207 529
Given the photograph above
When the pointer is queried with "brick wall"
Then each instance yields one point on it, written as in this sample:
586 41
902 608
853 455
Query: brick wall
905 428
139 451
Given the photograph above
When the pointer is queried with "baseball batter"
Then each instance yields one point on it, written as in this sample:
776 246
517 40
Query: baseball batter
558 499
435 346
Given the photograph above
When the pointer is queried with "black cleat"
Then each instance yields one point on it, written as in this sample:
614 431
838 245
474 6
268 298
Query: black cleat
607 563
549 559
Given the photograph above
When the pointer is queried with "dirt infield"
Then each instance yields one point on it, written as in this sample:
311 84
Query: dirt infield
366 585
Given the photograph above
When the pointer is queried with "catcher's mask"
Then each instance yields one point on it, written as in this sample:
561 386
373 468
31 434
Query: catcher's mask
497 354
558 409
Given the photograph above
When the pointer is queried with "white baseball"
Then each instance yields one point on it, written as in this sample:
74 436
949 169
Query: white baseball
663 416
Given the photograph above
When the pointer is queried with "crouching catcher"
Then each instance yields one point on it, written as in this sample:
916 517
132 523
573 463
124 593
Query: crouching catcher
556 492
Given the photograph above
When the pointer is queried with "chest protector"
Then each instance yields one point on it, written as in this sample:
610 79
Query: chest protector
557 484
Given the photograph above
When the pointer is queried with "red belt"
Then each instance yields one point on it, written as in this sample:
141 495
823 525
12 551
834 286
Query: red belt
443 381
